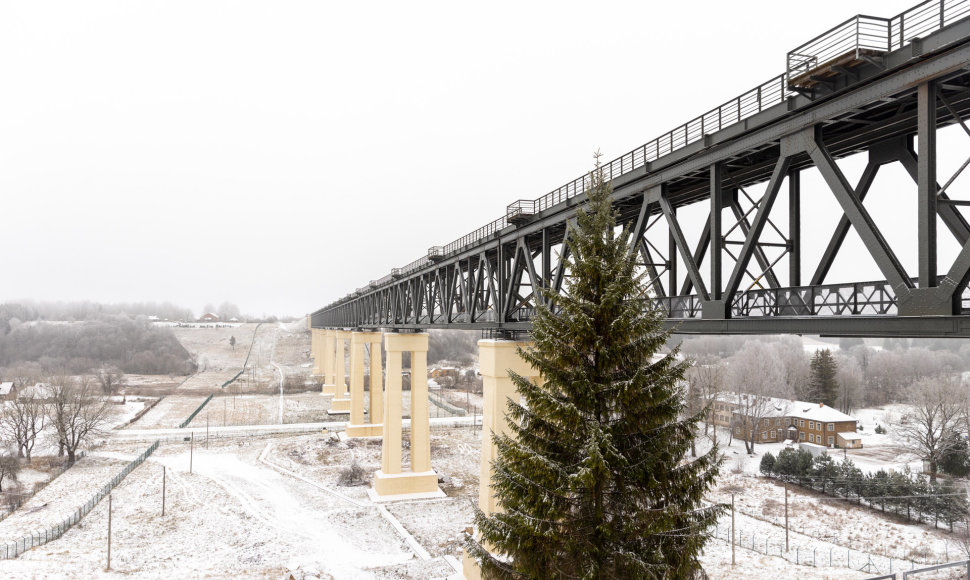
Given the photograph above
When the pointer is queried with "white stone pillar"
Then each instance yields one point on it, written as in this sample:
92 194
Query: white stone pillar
341 400
496 358
392 481
316 351
327 349
356 427
376 384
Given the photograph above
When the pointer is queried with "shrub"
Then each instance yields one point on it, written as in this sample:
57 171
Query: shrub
880 430
767 463
354 474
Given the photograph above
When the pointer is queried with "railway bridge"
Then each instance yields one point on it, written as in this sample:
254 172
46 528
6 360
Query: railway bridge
876 87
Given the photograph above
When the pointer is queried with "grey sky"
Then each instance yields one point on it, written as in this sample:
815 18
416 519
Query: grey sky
280 154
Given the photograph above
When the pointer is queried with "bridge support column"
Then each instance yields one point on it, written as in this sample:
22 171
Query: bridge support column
341 400
329 388
356 427
316 351
496 359
421 481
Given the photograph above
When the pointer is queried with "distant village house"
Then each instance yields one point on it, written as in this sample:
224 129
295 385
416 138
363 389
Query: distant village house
791 420
209 317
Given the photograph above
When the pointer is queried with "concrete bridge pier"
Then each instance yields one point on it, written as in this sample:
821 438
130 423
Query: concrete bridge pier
316 351
356 427
341 400
391 482
327 358
496 359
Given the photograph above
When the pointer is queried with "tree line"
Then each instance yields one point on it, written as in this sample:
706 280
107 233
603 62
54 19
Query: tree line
860 374
901 492
132 345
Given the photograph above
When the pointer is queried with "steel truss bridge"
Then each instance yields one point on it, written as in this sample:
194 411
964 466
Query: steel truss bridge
879 86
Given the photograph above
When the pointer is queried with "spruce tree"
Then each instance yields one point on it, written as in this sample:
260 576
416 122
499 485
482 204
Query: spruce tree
825 386
593 479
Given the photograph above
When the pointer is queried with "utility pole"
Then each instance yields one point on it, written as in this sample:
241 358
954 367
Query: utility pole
163 491
206 428
786 516
109 532
732 529
191 449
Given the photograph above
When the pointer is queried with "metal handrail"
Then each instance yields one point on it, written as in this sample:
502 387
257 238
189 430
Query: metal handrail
857 34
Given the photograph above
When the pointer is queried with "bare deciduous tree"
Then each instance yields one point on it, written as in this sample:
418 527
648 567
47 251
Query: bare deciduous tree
935 414
111 379
850 378
755 375
705 380
22 419
9 467
76 411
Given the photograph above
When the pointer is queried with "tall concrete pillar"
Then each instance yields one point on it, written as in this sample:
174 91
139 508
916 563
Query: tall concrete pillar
326 348
496 358
392 482
376 384
341 400
356 427
316 352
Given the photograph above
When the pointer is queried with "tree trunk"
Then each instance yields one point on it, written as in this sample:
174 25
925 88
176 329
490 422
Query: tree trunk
70 455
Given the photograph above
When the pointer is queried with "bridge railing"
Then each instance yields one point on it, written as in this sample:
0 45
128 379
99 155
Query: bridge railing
852 38
924 19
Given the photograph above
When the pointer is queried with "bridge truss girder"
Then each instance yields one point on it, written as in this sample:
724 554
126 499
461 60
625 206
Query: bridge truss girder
495 284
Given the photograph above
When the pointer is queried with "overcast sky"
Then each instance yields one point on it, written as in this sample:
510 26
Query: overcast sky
280 154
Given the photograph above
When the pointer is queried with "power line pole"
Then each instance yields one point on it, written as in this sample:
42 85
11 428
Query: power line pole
732 529
109 532
163 491
786 516
191 449
206 428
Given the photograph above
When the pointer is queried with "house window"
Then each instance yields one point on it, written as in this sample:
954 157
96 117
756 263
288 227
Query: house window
831 427
764 435
801 435
737 430
773 435
811 424
831 441
801 422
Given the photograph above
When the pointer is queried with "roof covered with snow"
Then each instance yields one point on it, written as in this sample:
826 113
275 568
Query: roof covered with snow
850 436
817 412
5 388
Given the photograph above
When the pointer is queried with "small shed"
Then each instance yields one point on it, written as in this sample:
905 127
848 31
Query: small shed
849 440
7 391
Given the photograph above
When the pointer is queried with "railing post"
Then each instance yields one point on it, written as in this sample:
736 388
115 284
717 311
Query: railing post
942 19
759 99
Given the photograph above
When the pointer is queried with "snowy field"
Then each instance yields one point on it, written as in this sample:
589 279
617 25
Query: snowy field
255 508
260 506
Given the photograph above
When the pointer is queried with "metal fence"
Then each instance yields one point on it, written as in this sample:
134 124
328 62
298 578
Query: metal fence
41 537
951 570
807 554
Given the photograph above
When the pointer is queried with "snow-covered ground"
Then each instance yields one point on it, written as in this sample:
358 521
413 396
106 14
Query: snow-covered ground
268 506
